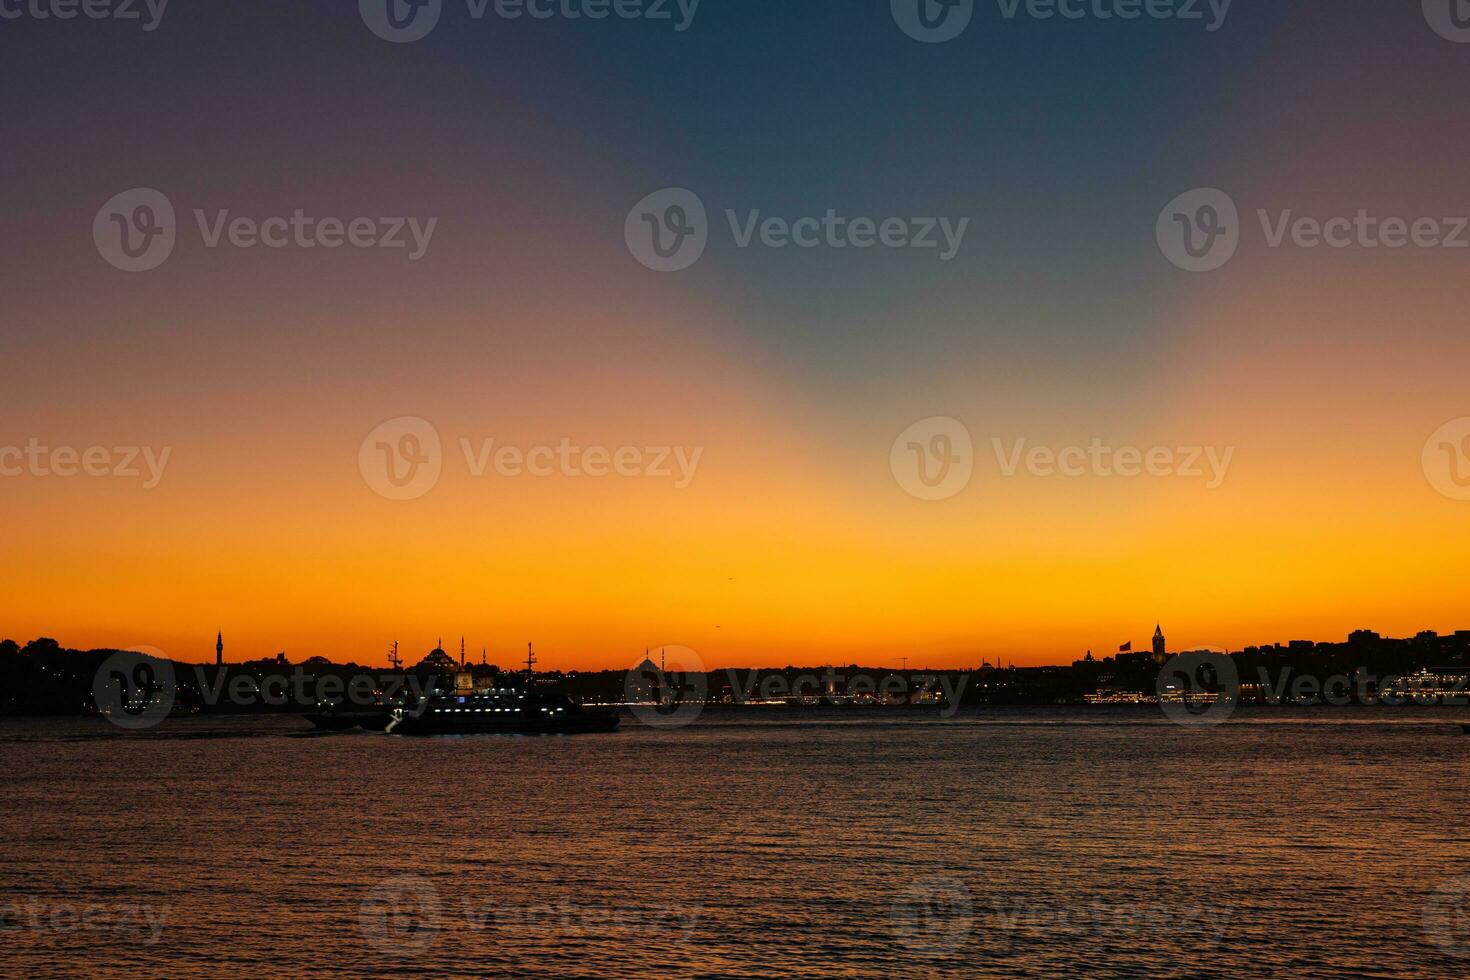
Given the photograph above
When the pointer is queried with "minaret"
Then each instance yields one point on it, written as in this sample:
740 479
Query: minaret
219 648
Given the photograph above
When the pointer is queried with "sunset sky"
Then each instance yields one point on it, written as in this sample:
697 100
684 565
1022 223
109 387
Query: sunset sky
791 371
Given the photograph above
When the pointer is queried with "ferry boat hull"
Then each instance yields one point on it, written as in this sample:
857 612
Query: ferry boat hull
465 709
569 720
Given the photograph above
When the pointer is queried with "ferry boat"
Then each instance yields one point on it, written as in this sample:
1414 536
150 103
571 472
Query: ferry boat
467 709
454 704
498 711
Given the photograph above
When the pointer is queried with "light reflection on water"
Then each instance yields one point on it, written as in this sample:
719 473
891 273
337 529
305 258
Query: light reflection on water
833 842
